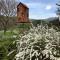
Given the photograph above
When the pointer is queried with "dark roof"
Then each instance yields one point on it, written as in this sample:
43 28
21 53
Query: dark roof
22 4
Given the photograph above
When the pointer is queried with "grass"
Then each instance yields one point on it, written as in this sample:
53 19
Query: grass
7 45
6 42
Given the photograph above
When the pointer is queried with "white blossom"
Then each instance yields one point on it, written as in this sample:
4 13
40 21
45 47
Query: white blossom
40 38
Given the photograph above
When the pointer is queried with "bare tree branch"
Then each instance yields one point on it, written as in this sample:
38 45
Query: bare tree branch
7 9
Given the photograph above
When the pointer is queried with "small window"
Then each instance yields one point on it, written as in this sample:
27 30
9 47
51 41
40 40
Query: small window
27 13
18 9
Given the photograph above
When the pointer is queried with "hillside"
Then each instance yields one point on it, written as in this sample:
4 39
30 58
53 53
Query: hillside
49 21
35 22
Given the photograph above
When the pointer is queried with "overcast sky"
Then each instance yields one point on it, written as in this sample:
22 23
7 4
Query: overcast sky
41 8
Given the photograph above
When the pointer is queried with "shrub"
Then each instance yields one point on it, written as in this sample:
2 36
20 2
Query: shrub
38 40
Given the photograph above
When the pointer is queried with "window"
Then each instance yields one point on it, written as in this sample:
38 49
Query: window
18 9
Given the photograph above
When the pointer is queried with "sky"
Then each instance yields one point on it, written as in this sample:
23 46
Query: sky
41 9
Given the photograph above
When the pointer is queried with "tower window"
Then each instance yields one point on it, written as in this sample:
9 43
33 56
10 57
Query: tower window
18 9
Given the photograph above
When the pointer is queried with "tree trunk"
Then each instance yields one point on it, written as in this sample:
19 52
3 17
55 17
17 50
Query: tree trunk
5 29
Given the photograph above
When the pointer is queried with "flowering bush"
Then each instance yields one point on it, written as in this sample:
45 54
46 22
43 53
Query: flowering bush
39 42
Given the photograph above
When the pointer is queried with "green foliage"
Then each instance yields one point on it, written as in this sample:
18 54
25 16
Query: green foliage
35 22
24 25
5 47
7 44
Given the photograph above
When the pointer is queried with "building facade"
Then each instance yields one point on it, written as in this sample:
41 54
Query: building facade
22 13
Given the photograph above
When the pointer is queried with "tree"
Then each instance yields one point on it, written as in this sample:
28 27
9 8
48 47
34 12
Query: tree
7 10
58 10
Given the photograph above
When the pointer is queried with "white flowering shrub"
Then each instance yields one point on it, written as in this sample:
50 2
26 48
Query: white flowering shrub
39 43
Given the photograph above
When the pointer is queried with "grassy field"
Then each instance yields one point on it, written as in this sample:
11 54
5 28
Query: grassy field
7 44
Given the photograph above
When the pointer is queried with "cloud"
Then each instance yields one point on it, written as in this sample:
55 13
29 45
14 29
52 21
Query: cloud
48 7
35 5
39 10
